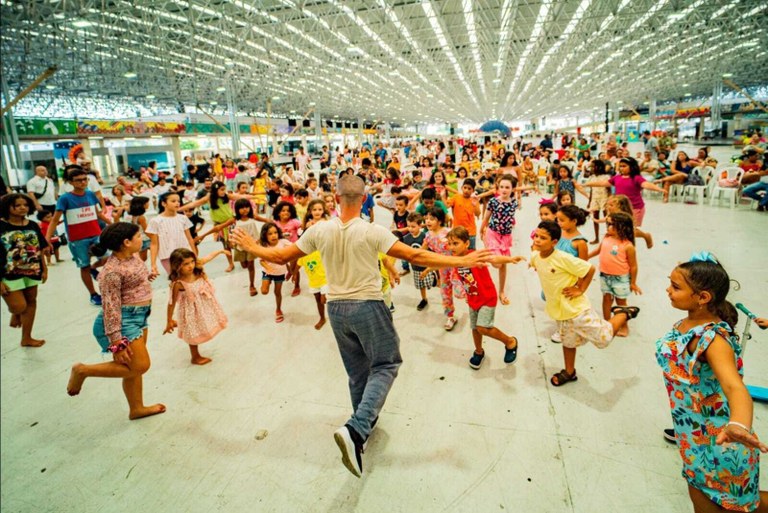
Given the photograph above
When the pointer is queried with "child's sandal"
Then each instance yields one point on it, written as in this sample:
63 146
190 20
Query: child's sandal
630 311
563 377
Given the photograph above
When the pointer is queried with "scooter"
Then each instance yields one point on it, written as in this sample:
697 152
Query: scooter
757 393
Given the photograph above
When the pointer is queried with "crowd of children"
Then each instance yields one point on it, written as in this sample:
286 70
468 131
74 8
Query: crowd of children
434 208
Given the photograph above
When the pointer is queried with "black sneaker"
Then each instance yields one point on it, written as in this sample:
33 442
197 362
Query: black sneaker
392 308
351 447
669 436
422 305
477 360
373 426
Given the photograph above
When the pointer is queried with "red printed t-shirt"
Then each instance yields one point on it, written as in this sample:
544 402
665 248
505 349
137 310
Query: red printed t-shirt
80 215
478 285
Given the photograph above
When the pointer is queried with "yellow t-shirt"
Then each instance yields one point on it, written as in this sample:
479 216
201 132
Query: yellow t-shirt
384 273
301 211
556 272
313 265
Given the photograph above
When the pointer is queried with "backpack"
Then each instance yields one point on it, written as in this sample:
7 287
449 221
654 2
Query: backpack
695 178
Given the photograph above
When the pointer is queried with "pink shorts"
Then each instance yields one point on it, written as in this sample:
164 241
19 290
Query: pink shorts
497 243
638 214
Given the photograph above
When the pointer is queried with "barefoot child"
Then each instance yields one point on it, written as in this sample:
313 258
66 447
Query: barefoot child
711 407
287 219
496 230
245 218
618 264
200 315
313 264
272 237
481 298
168 231
564 280
121 326
22 261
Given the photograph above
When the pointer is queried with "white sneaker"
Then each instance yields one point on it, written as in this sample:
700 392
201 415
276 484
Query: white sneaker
450 323
556 337
351 452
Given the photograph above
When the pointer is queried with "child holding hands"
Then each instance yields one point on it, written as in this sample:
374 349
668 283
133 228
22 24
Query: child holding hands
481 298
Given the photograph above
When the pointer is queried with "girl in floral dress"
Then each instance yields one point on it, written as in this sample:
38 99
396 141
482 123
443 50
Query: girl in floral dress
200 315
711 407
437 241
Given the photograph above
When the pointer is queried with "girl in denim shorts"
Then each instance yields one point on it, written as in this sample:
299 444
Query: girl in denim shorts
618 264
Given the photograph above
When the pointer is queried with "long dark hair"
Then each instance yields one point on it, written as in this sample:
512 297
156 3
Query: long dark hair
214 195
634 167
138 206
712 277
112 238
242 203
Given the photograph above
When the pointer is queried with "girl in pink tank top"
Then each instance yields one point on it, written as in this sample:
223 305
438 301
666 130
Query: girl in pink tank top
618 264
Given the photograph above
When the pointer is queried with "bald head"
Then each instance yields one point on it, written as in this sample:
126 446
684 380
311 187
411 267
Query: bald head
41 171
350 189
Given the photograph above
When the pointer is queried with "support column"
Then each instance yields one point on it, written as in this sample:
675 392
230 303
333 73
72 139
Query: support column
360 132
652 113
176 143
318 131
234 126
87 148
269 129
607 116
9 126
716 109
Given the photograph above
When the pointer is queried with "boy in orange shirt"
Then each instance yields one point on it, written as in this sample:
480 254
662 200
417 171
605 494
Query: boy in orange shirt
466 207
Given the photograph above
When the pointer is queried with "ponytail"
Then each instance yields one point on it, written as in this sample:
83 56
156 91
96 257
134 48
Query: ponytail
112 238
727 312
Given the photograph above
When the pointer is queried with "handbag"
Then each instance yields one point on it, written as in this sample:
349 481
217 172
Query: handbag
39 195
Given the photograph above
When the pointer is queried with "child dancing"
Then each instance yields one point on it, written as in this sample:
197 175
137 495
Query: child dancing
121 326
200 315
711 408
437 242
618 264
496 230
564 280
481 298
272 237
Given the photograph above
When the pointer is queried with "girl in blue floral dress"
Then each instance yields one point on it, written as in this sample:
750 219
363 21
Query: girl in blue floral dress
711 407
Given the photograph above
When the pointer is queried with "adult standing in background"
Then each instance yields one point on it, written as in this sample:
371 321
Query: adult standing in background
42 190
651 144
361 322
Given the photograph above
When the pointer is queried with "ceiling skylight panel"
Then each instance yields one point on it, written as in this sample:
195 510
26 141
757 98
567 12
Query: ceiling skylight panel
469 21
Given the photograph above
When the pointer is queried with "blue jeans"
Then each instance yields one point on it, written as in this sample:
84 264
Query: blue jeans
133 321
753 190
370 349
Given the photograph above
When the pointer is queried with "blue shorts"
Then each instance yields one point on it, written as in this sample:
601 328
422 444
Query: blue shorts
80 250
132 325
145 245
277 278
617 286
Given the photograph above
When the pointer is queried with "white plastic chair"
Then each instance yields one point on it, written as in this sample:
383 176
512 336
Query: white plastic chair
696 193
730 193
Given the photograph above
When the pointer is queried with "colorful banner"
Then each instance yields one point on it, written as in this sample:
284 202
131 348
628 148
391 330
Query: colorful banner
102 127
47 127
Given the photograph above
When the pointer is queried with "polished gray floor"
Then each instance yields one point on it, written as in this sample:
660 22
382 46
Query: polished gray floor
252 431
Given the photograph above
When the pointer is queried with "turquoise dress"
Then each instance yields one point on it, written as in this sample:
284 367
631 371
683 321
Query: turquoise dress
566 245
727 474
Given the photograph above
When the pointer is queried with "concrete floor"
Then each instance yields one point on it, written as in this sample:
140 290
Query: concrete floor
252 431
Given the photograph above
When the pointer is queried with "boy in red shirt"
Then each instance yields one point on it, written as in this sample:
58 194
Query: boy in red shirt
481 297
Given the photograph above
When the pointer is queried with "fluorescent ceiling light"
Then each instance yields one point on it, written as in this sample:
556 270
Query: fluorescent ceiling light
150 96
221 89
81 23
214 103
50 87
727 75
129 74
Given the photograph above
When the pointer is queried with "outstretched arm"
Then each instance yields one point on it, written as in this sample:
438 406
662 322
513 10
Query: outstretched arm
430 259
217 228
280 256
207 258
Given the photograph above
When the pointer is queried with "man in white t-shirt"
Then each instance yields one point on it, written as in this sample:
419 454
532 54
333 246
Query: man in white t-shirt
302 160
42 190
361 322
